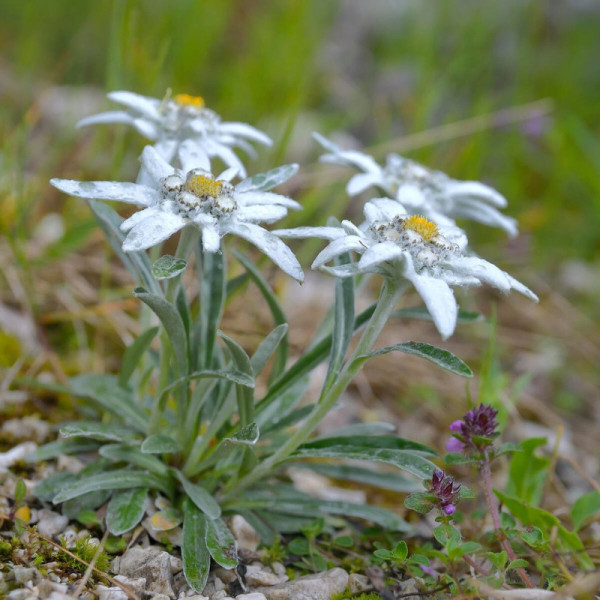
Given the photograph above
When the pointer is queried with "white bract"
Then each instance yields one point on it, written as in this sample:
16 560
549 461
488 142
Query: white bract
409 248
183 118
421 190
192 196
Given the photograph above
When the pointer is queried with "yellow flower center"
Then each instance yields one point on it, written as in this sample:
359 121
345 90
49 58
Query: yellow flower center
187 100
203 186
425 228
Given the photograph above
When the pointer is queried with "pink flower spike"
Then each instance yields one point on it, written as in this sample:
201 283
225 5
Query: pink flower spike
456 426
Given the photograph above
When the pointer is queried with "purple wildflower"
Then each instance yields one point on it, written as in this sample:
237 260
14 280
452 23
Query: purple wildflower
454 445
479 422
446 490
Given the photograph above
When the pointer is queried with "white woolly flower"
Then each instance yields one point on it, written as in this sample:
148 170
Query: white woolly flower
192 196
402 247
182 118
421 190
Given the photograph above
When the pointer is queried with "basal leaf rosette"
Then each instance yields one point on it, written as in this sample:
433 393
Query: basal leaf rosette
192 196
174 121
410 249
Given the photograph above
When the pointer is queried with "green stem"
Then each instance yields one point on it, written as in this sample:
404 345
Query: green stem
390 294
187 239
485 475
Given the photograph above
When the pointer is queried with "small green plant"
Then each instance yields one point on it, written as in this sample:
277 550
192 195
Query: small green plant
183 420
347 595
86 550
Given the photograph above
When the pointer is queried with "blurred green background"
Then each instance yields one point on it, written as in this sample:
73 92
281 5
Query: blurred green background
378 70
505 92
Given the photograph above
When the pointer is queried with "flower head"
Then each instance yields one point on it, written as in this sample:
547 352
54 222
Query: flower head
413 248
183 118
421 190
446 490
478 423
193 196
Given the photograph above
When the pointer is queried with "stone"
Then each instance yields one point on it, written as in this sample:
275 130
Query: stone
28 428
14 455
23 575
358 583
68 463
226 575
278 568
46 587
21 594
59 596
257 576
251 596
245 535
219 595
176 565
110 593
409 586
320 586
152 564
51 523
138 584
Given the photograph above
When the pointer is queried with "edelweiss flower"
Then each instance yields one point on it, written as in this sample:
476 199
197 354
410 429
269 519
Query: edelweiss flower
421 190
172 121
402 247
192 196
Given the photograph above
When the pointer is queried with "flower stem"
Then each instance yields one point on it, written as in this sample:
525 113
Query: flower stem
187 239
390 293
486 479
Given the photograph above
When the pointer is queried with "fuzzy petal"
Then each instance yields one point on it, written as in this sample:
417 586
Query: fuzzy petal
411 196
112 116
227 155
228 174
327 144
353 158
378 253
360 182
211 240
166 149
300 233
261 214
383 209
147 128
485 271
339 246
475 189
153 230
192 156
138 217
347 270
270 245
438 297
487 215
265 199
156 166
522 289
350 228
142 104
131 193
247 131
